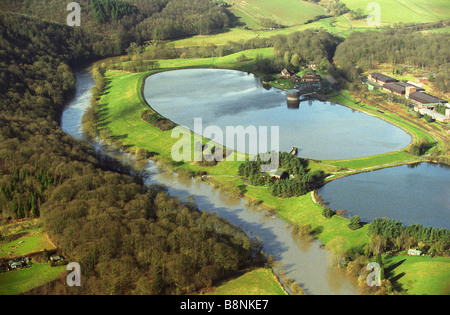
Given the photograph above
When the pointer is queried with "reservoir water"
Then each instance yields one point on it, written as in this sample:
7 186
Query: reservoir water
305 262
416 193
321 130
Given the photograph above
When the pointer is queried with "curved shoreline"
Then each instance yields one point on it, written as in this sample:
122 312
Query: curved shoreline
410 133
279 222
142 79
270 206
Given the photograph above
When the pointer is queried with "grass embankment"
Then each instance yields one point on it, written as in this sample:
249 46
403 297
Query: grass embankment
120 108
260 281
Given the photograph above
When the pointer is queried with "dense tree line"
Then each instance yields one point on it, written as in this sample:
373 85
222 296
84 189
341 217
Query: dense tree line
298 182
129 238
393 235
183 18
295 187
107 10
121 22
22 193
308 46
441 80
366 50
157 120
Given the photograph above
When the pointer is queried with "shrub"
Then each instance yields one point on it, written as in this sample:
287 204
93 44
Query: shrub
327 212
355 223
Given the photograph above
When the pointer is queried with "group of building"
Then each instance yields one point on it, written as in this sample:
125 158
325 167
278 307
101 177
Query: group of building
308 77
424 103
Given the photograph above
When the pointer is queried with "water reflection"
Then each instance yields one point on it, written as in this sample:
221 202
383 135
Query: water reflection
293 104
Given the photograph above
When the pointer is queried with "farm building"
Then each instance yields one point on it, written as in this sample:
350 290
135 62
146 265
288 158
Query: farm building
424 100
414 252
422 80
400 88
435 115
380 78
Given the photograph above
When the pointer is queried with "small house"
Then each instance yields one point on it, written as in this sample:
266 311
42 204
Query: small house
285 73
56 258
13 264
422 80
414 252
278 174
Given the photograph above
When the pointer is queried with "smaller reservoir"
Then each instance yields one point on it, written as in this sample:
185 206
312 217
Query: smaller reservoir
413 194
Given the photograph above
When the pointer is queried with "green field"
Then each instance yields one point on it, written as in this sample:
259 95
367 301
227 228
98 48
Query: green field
338 26
420 275
24 237
19 281
283 12
406 11
260 281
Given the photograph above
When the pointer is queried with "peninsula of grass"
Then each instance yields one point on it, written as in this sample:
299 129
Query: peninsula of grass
120 108
119 111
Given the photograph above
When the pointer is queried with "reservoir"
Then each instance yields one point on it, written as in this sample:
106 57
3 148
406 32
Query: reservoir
321 130
306 262
416 193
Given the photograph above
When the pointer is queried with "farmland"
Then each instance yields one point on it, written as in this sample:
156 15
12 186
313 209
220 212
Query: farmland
21 239
406 11
283 12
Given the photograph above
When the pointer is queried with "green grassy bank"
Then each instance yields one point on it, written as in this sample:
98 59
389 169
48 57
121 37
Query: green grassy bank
119 109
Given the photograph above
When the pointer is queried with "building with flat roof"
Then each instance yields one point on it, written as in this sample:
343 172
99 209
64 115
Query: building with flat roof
423 99
400 88
434 114
310 77
380 78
